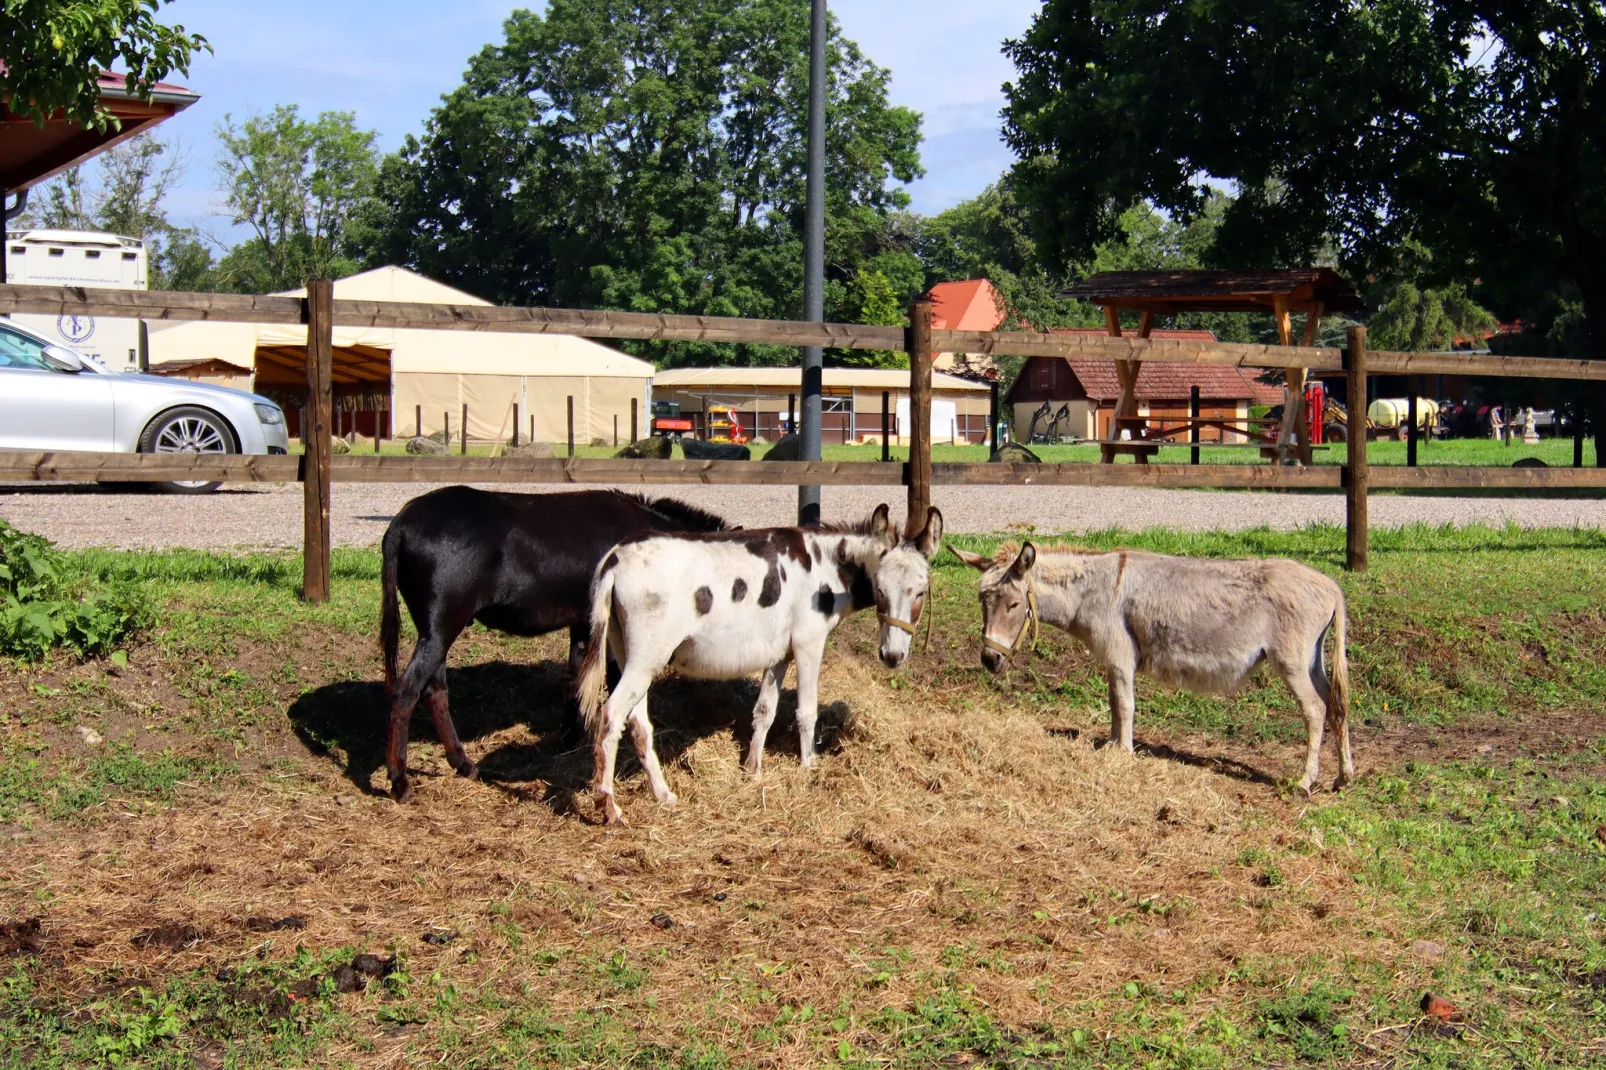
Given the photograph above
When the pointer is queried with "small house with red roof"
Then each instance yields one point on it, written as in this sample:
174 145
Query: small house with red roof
968 305
1087 387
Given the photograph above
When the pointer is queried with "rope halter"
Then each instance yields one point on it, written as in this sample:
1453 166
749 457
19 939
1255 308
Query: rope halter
1008 649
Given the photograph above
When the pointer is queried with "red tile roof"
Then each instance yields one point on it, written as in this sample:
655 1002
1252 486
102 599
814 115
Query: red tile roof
1160 381
971 305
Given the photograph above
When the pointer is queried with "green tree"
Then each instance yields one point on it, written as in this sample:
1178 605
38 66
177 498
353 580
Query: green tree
124 192
52 53
879 302
297 185
650 157
1348 128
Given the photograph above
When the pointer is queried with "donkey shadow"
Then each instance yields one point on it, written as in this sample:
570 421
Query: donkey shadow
350 718
683 712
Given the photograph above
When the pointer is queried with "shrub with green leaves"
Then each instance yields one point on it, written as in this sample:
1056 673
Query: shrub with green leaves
42 607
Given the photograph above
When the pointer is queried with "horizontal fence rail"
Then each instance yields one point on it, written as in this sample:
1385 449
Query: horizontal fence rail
160 305
162 467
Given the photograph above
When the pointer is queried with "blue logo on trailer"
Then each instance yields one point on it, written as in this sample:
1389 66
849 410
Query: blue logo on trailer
76 329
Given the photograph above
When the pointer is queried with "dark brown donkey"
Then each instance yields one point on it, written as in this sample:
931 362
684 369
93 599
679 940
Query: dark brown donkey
519 563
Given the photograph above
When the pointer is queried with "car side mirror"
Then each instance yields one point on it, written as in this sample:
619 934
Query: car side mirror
63 360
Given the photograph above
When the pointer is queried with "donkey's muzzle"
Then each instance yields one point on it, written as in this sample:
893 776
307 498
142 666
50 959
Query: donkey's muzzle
992 660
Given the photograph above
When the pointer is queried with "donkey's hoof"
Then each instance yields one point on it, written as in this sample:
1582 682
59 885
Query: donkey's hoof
468 770
401 789
611 814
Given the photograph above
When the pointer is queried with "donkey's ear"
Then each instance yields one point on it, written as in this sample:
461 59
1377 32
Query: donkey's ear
979 562
881 528
929 541
1023 564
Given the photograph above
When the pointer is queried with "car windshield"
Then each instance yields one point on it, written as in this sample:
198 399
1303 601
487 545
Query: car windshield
18 350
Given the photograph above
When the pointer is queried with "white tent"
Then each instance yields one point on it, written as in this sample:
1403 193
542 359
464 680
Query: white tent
426 377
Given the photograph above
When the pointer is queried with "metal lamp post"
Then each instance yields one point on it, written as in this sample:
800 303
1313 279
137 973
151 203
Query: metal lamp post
808 498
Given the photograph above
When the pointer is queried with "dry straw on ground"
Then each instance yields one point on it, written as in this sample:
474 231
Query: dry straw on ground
1059 871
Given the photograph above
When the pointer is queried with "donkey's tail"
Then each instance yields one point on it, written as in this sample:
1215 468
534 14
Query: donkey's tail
389 611
1338 683
594 669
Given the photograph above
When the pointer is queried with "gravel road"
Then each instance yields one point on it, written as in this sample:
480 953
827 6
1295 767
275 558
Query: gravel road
269 516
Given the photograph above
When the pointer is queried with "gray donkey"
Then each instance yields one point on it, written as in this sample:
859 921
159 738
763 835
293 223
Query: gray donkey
1189 622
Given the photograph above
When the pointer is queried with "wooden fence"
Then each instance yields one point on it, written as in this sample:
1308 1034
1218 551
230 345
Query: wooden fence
317 469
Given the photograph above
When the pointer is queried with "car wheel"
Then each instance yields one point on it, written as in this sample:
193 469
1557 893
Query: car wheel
188 429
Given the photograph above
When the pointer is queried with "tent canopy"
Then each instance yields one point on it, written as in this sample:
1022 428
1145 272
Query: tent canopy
426 377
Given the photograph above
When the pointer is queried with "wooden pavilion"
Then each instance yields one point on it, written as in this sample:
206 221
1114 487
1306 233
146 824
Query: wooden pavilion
1312 292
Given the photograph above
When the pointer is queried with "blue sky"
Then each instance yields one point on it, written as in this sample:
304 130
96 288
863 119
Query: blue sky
390 60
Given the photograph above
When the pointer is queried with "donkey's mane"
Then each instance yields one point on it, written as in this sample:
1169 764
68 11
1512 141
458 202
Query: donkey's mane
1053 561
844 527
693 518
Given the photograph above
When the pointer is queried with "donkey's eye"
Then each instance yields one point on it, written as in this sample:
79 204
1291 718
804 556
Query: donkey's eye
1014 605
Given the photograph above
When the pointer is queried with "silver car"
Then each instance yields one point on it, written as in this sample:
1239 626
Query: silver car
52 398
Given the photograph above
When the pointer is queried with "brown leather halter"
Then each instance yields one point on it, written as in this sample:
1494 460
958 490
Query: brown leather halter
1031 619
903 625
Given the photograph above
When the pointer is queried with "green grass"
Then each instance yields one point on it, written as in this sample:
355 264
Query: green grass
1500 860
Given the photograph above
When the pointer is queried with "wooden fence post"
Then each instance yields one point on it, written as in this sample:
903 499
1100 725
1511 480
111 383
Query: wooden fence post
917 343
990 440
515 423
446 427
380 428
1355 473
1410 422
886 425
571 425
318 310
1193 431
633 424
418 421
616 430
1578 435
465 431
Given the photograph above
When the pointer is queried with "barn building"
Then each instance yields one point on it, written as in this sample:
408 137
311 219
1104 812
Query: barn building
766 399
1087 388
407 382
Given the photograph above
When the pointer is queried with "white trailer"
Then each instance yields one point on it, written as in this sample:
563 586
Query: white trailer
82 258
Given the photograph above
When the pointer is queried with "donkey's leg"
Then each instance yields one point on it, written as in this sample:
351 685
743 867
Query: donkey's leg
769 697
605 744
1122 702
1337 719
641 735
808 660
428 657
571 728
435 695
1314 703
